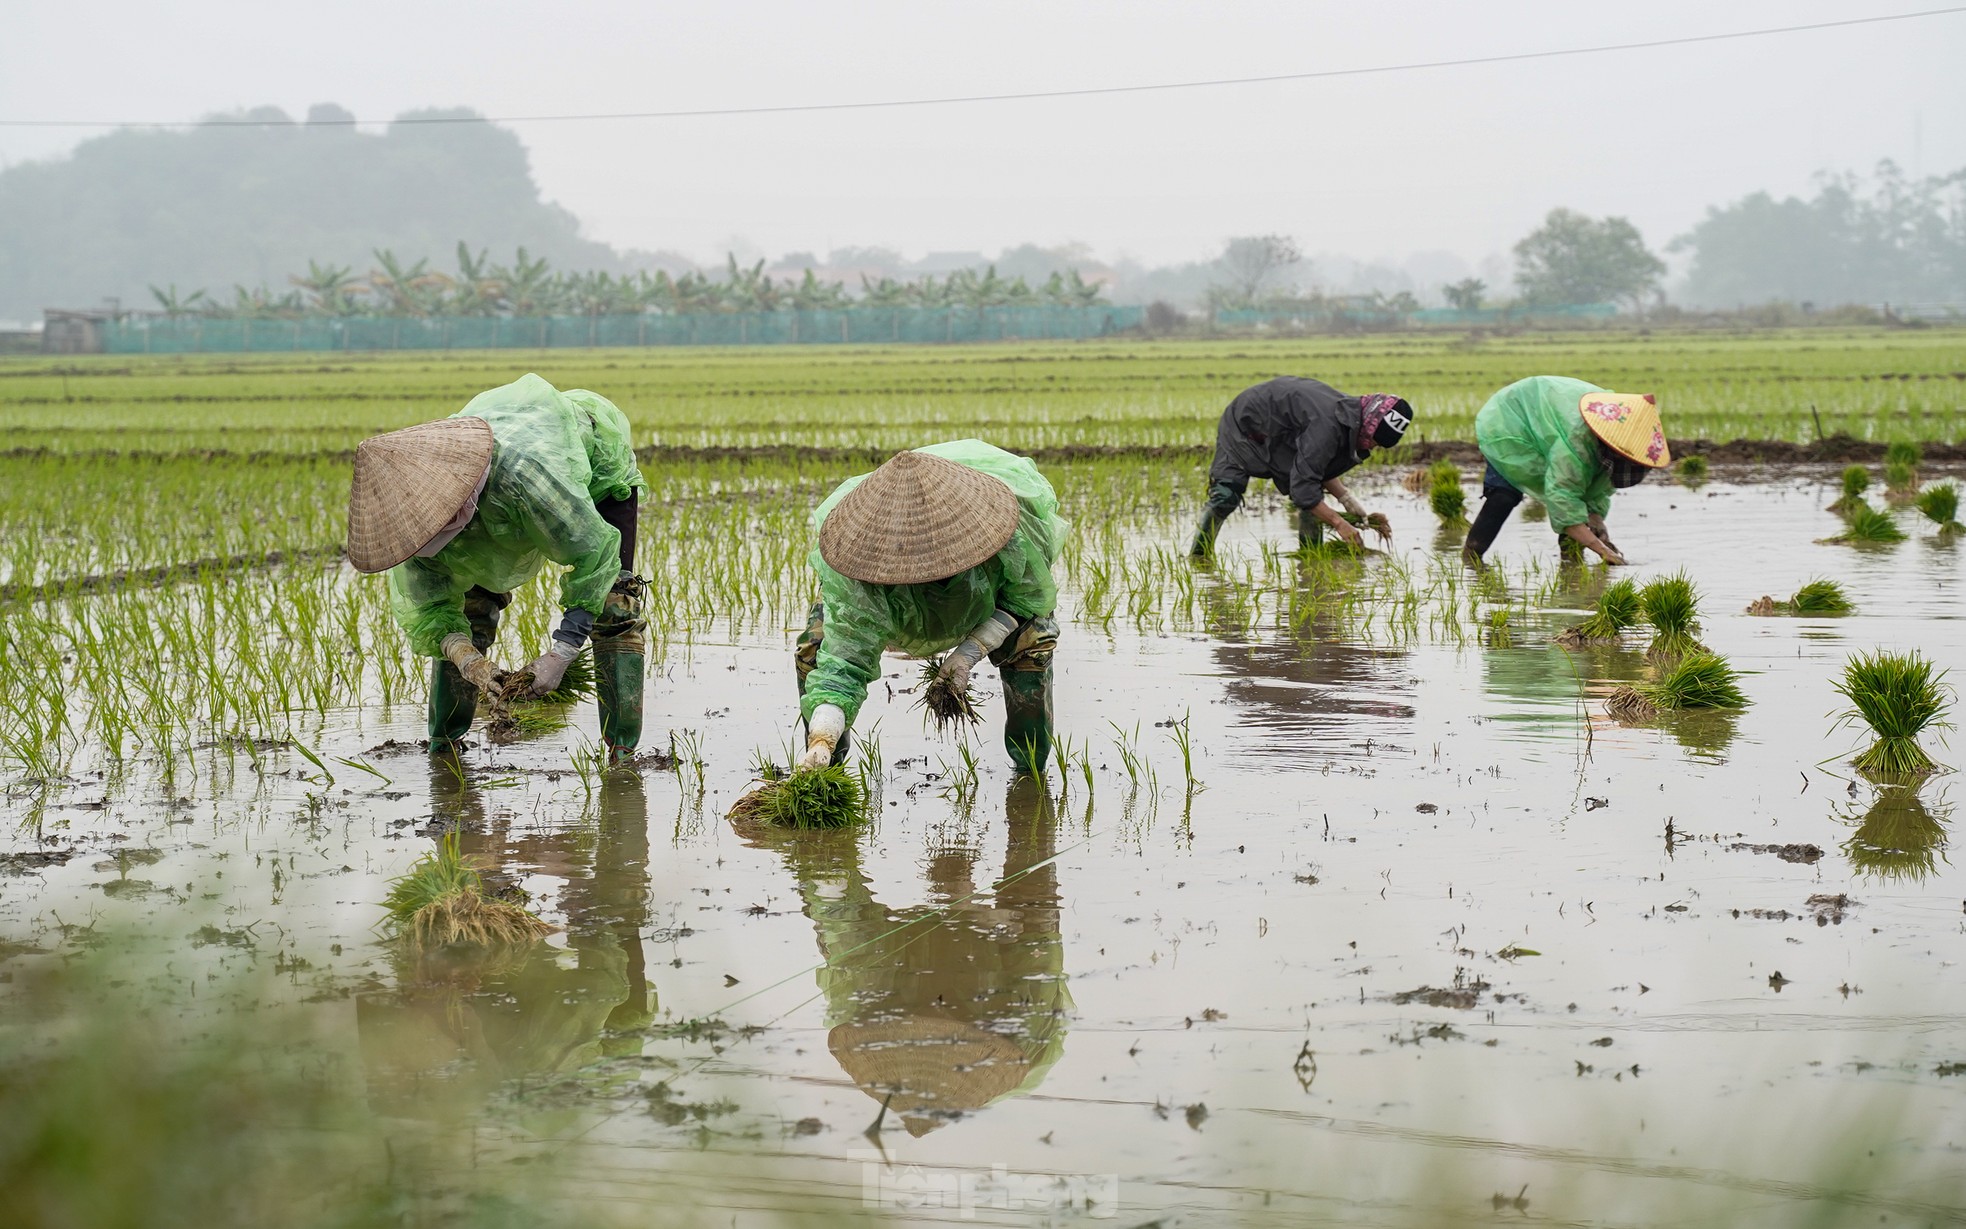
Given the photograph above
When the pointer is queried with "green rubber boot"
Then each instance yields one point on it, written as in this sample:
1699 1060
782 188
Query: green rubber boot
453 703
1310 530
1210 525
620 647
1027 718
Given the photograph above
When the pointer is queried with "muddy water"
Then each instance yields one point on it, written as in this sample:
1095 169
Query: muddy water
1421 945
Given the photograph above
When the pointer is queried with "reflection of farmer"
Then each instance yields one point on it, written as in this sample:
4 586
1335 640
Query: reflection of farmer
1570 444
465 1018
465 510
1302 435
947 547
944 1008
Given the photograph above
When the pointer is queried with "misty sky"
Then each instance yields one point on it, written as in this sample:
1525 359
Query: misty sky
1461 159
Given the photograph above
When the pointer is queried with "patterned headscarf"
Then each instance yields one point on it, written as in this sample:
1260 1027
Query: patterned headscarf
1373 408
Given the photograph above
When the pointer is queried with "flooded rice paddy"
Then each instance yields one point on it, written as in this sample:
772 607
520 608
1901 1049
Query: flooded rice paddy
1418 936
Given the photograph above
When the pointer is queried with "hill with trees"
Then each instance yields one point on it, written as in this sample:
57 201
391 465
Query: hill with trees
219 205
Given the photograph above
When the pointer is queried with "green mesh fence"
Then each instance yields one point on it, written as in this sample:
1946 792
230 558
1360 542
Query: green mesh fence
855 326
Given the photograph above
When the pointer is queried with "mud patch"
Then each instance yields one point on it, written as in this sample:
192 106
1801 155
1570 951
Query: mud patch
1807 855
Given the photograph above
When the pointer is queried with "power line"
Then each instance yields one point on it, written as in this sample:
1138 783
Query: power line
952 100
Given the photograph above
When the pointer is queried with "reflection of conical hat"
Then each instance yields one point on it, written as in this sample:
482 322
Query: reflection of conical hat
409 484
1629 422
927 1068
917 518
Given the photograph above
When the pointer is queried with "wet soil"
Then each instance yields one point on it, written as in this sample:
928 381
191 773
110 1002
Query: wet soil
1410 948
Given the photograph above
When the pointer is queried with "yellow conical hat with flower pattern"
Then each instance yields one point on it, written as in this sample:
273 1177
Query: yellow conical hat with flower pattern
1630 424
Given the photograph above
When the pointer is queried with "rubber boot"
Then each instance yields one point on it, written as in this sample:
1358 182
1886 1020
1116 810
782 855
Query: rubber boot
1487 524
619 649
1310 530
453 703
1223 499
1212 518
1027 718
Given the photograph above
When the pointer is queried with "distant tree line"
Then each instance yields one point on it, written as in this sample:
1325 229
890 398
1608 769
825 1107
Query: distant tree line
530 287
1894 239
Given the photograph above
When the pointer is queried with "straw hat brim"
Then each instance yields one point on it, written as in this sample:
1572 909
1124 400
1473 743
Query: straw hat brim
1630 424
929 1063
917 518
409 484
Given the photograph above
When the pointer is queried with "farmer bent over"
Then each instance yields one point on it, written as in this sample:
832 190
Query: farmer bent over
464 510
1570 444
1302 435
947 547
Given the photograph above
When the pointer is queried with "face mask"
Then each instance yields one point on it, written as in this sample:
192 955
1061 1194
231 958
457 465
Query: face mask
1625 472
456 524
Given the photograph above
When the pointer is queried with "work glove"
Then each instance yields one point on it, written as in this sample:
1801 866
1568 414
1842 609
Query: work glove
550 667
473 665
982 640
823 734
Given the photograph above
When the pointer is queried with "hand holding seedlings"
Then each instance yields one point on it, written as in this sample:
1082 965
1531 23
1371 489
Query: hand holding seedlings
476 668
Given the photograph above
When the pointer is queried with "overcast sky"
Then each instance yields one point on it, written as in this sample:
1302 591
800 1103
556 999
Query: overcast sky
1464 159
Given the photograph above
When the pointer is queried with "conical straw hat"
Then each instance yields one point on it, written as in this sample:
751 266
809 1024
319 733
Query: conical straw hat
1629 422
409 484
928 1068
917 518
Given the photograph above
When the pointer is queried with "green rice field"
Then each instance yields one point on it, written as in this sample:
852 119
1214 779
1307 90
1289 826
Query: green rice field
1350 894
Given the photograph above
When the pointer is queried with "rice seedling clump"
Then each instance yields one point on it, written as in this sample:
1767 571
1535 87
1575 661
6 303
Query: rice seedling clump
1697 680
1672 606
1940 504
945 703
1868 524
1693 468
831 797
1899 696
1444 493
1856 480
517 713
1618 608
441 900
1817 597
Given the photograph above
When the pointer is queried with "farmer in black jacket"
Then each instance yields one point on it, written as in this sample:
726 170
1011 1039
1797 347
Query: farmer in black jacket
1301 434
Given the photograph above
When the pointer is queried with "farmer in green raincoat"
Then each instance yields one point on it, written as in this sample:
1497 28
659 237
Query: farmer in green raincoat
1303 435
942 549
1570 444
462 511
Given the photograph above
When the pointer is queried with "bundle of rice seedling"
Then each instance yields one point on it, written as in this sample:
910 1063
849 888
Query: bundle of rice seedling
1444 494
1693 468
946 704
1901 471
517 713
1898 838
441 899
831 797
1940 504
1818 597
1618 608
1821 596
1697 680
1672 606
1868 524
1898 695
1856 480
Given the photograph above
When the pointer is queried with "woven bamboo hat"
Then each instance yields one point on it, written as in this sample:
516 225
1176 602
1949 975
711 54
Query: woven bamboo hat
917 518
1629 423
928 1069
409 484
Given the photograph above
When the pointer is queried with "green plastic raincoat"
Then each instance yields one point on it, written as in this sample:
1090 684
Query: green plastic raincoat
862 619
554 455
1534 435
